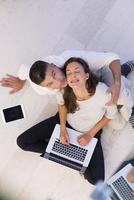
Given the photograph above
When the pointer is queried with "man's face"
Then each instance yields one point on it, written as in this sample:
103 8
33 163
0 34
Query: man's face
54 78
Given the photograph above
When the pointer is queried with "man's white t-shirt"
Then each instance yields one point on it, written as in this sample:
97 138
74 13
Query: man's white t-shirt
92 110
96 61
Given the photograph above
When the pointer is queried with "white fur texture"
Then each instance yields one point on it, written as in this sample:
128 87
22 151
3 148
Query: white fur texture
118 145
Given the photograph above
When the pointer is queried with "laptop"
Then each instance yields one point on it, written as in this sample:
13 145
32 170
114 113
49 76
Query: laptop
73 155
120 186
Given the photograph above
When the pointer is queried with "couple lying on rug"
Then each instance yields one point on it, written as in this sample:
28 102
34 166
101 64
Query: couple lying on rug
86 104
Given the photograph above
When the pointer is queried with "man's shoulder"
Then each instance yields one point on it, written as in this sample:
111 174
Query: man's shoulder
57 60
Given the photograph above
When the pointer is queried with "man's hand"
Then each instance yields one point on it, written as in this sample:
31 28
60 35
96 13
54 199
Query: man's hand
130 177
115 91
83 140
12 82
64 137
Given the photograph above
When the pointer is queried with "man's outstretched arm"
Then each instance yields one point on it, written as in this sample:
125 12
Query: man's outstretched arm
114 89
16 83
12 82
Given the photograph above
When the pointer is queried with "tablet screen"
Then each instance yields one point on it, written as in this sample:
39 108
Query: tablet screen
13 113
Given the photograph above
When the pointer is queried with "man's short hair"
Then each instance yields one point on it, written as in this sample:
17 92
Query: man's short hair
38 71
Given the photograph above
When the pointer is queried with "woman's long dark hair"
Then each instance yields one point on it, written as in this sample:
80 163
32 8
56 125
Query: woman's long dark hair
91 83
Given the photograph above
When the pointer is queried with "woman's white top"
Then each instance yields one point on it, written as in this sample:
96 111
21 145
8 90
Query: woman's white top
92 110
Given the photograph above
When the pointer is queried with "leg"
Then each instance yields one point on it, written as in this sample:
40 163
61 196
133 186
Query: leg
95 169
132 161
125 163
34 139
127 67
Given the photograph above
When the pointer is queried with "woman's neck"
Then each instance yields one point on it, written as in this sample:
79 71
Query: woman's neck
81 93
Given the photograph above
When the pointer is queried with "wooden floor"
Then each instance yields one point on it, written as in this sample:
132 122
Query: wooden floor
30 30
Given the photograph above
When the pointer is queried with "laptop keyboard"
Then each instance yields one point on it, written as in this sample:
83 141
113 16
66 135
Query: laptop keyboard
123 189
70 150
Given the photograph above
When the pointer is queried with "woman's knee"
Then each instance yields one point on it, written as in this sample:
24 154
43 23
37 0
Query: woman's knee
93 178
21 143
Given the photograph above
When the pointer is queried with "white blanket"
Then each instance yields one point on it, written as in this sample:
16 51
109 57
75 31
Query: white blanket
118 145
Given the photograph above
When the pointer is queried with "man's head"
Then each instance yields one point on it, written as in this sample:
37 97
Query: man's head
47 75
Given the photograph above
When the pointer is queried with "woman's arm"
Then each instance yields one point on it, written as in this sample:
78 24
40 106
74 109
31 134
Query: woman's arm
83 140
64 137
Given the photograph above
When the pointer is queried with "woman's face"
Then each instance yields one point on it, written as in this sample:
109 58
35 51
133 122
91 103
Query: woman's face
76 76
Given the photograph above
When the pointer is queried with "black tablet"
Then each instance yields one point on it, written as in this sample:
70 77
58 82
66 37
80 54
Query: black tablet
13 113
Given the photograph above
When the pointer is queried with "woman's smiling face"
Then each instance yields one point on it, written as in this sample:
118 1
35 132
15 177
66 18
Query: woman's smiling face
75 74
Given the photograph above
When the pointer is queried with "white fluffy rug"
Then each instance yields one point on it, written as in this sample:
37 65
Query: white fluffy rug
118 145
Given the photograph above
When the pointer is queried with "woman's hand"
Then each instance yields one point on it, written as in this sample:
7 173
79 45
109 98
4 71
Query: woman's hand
64 137
83 140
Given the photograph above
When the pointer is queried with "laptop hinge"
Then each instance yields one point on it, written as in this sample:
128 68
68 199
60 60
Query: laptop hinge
64 161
